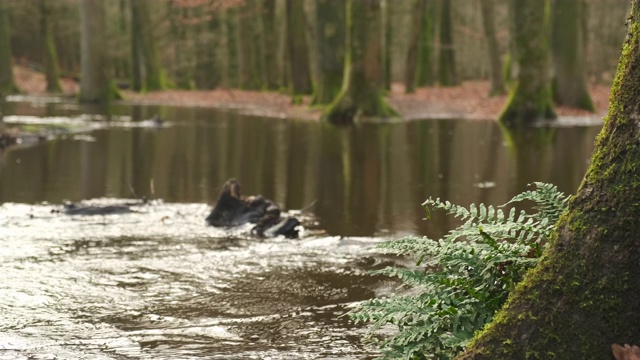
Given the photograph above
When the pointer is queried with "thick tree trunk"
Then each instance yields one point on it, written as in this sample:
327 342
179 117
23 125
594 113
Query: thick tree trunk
362 87
94 85
495 65
583 295
447 74
298 50
52 70
530 97
331 50
7 83
153 76
568 49
419 12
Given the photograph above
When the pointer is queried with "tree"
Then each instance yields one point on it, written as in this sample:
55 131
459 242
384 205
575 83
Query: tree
331 50
52 70
425 70
94 84
270 43
495 66
417 25
148 72
530 97
362 86
447 74
7 83
568 50
583 295
298 51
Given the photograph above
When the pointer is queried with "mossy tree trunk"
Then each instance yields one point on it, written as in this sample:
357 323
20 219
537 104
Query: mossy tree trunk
417 23
583 295
425 75
270 43
94 84
7 83
530 96
331 50
568 50
230 58
495 65
447 74
248 75
363 84
145 52
52 70
387 27
298 48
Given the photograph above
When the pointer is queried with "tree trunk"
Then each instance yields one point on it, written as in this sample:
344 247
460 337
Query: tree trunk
425 75
417 24
387 27
145 51
495 65
52 70
447 74
248 75
270 43
530 97
94 85
568 49
331 50
230 59
298 51
582 297
7 83
362 87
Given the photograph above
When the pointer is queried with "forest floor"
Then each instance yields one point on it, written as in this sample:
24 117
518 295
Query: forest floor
470 100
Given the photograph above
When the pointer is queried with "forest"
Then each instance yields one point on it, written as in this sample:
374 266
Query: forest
300 48
319 179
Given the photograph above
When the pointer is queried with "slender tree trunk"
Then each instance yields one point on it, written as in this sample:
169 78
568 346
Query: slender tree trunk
582 297
362 87
137 68
495 65
230 26
417 24
247 71
153 76
94 84
386 42
331 50
298 50
530 97
270 43
52 70
7 83
425 75
568 49
447 74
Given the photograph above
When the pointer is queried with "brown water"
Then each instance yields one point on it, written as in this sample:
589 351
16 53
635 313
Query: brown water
159 284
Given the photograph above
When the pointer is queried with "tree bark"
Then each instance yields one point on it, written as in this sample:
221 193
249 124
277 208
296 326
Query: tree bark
568 50
425 75
52 70
582 297
447 74
298 50
530 96
270 43
7 83
248 75
363 84
417 24
495 65
145 51
94 84
331 50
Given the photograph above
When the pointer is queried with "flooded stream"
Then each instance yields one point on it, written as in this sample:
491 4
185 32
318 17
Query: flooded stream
159 284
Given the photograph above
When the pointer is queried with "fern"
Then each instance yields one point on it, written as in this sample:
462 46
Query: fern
461 279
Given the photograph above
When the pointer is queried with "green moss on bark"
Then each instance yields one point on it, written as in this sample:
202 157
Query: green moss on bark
583 295
362 87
